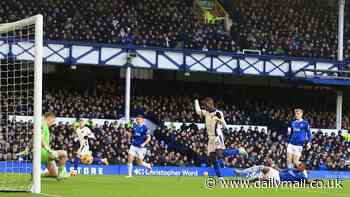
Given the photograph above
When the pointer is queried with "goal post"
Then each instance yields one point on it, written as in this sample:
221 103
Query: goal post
21 51
38 78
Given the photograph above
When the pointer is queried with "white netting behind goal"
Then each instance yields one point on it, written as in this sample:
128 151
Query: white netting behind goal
17 54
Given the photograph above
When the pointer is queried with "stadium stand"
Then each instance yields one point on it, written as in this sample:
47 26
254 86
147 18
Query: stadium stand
169 146
180 147
167 23
292 27
169 103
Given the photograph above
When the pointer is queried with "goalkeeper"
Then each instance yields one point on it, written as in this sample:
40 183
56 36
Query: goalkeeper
49 157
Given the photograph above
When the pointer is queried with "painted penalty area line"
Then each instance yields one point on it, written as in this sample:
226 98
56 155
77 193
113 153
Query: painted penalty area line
49 195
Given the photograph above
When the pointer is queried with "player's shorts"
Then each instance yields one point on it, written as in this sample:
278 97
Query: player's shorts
294 149
215 142
44 156
137 152
85 150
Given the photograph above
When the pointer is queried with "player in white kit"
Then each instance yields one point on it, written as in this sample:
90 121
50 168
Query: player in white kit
260 172
214 124
267 173
82 136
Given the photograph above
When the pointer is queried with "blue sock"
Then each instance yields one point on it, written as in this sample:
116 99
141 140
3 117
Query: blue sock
230 152
76 162
97 160
217 167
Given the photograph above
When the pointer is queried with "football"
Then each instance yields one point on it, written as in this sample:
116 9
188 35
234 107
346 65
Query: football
86 159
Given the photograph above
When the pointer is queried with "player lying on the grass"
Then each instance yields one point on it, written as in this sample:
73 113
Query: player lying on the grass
214 123
83 154
300 134
140 137
266 173
49 157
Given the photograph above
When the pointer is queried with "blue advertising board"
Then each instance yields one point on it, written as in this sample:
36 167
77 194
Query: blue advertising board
21 167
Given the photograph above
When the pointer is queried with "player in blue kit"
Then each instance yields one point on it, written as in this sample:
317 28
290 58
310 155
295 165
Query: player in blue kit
296 174
300 134
140 138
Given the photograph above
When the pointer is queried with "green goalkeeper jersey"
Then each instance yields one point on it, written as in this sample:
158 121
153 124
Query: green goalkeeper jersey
46 140
46 133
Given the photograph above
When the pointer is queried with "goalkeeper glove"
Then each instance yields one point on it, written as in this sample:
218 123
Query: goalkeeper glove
52 154
26 151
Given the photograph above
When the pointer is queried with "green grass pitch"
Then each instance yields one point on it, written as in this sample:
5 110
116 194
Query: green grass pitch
155 186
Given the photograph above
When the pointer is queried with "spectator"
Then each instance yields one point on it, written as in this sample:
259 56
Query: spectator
289 27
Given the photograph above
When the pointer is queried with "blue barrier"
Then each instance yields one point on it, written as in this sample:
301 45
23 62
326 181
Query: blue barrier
290 68
159 170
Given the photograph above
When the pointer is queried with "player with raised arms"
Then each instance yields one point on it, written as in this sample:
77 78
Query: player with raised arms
300 134
83 154
49 157
139 137
214 123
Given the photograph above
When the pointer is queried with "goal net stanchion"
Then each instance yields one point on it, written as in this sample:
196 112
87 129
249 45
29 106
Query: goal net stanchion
21 49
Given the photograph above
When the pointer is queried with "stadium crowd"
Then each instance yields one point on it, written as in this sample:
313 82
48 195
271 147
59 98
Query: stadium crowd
185 146
290 27
168 103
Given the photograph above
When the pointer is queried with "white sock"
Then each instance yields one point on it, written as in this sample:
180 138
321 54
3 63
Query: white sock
147 165
130 169
347 162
